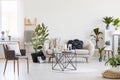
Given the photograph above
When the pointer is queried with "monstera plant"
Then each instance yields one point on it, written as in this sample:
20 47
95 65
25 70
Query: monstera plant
39 37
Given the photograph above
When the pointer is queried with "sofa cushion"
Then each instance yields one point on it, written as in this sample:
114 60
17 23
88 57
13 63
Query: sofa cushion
82 51
76 44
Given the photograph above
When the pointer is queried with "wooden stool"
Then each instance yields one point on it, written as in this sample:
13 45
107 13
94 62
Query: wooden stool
109 52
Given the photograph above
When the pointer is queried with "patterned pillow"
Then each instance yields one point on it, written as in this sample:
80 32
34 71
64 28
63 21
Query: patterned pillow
76 44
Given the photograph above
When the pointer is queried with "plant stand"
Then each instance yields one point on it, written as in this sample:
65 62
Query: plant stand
109 53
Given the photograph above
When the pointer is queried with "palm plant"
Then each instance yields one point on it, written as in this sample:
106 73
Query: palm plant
107 21
96 36
116 23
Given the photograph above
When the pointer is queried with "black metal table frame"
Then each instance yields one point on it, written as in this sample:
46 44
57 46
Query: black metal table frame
63 60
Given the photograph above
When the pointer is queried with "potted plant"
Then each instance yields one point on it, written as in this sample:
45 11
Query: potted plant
107 21
114 62
116 23
100 50
96 36
39 36
107 43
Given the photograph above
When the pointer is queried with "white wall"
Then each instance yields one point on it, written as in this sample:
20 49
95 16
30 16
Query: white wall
71 19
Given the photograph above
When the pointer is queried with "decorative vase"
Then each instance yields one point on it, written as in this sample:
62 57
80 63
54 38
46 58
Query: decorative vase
2 36
100 59
107 27
9 37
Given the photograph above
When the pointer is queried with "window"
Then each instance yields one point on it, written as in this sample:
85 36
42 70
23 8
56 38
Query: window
9 17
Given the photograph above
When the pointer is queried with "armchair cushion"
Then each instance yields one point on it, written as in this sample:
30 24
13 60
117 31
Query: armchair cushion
23 52
10 55
15 47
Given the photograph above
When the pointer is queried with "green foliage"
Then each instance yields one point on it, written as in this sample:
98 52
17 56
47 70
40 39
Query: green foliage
100 50
96 34
39 36
118 49
107 20
116 22
114 61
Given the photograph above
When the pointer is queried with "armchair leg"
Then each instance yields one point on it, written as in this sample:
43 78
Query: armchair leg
18 66
14 66
87 59
5 66
27 65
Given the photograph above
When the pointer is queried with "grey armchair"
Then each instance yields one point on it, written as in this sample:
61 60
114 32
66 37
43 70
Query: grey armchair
10 55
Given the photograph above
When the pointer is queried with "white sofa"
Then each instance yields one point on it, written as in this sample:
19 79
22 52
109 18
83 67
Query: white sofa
86 52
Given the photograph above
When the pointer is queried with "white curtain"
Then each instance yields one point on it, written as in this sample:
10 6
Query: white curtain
12 19
0 14
9 18
20 25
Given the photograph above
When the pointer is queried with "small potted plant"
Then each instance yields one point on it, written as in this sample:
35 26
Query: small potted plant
116 23
107 43
100 50
107 21
39 37
97 36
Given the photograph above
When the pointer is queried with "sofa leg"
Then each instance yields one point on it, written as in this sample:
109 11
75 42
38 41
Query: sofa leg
87 59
